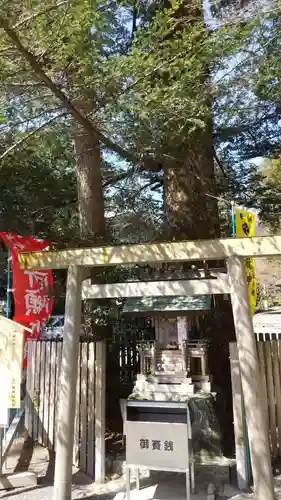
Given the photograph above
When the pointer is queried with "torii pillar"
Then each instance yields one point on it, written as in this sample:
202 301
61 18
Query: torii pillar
67 395
250 378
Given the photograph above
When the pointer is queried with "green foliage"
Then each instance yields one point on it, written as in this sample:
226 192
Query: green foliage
270 192
37 197
247 109
150 76
164 96
149 89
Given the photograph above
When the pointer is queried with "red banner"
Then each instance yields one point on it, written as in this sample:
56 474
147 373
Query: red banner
32 290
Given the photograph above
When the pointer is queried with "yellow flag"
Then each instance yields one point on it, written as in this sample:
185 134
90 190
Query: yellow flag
245 228
244 224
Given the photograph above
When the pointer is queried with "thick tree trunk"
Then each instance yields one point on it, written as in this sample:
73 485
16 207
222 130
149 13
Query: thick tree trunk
89 186
89 180
90 203
190 212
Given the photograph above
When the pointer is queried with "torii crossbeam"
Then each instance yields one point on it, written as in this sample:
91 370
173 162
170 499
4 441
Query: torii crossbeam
266 246
234 251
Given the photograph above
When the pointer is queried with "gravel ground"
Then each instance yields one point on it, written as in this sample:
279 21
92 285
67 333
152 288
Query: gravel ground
158 486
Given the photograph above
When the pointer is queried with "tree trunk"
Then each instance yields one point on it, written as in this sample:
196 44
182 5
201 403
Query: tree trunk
189 212
89 186
90 203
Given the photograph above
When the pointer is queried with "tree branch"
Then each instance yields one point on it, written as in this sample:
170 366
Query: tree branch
118 177
134 20
67 103
219 163
225 133
49 8
28 136
133 196
21 86
28 120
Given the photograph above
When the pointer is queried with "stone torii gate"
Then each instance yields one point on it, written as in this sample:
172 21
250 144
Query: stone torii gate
234 251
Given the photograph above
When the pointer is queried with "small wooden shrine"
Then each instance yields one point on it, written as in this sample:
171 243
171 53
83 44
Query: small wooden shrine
174 364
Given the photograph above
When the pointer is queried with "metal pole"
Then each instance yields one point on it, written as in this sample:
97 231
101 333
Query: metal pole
8 303
250 378
1 450
69 370
233 228
8 308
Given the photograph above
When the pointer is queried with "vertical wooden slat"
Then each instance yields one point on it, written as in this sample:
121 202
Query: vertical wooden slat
263 380
29 410
42 390
123 362
53 366
134 360
277 386
46 394
91 409
84 387
27 403
37 394
279 354
57 394
238 417
271 399
76 445
100 412
278 349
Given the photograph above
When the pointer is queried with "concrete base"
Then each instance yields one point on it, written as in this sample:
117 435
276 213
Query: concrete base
162 392
20 480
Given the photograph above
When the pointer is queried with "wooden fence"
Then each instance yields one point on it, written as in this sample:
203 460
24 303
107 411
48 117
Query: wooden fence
122 368
43 392
265 337
269 354
270 363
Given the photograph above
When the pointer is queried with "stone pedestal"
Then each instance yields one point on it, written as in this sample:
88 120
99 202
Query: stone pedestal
166 372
